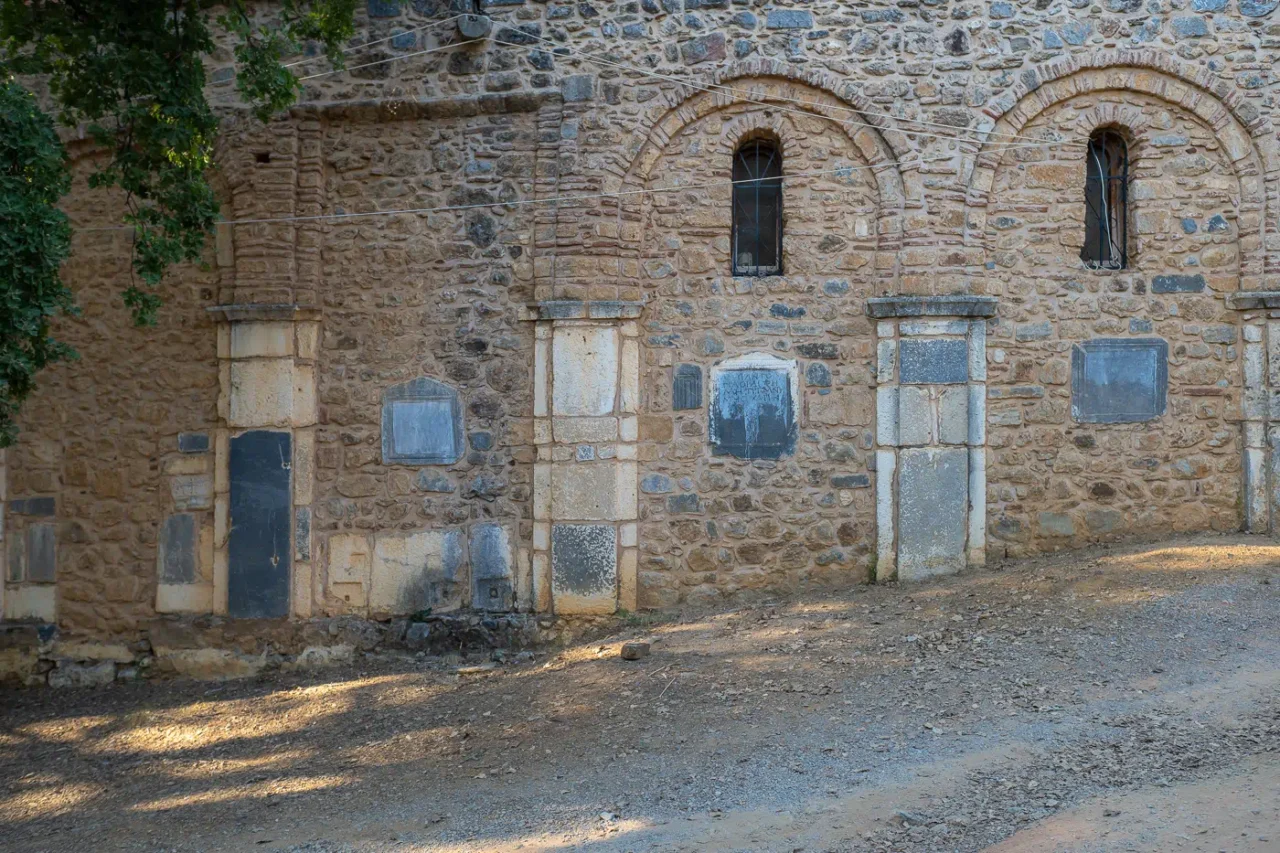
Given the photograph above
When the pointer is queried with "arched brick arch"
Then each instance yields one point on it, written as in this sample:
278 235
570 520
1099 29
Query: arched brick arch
882 149
1246 136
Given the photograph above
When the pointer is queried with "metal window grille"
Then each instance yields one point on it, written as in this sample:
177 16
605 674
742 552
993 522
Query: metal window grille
757 209
1106 197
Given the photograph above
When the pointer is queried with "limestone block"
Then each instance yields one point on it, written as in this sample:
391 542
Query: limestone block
350 558
915 417
184 598
841 407
584 375
31 601
593 491
933 503
265 339
413 572
177 551
887 415
933 361
193 491
262 393
584 430
953 415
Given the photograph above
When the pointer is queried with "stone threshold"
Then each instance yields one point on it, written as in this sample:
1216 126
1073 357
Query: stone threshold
960 305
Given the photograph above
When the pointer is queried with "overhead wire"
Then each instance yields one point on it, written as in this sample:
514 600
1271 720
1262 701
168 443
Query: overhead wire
839 170
353 48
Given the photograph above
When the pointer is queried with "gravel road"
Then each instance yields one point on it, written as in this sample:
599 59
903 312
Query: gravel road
1115 699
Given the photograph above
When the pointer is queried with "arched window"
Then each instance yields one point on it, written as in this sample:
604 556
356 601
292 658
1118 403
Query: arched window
1106 202
757 209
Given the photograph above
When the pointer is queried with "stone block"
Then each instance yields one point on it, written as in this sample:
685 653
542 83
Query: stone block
887 415
36 602
261 393
656 484
1190 26
71 674
302 533
841 407
600 491
1119 380
42 554
708 48
1177 283
191 491
753 408
184 598
585 430
933 362
1033 331
584 375
177 552
33 506
953 415
686 387
584 568
1056 524
577 88
422 424
789 19
193 442
408 573
491 560
933 502
267 339
350 558
915 417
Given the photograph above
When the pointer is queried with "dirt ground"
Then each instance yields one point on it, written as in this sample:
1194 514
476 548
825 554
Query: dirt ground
1117 699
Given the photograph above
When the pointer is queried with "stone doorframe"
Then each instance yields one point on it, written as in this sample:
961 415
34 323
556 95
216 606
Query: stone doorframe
267 355
586 404
931 387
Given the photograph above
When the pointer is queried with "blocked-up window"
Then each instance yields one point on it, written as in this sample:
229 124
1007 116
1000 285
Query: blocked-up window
1119 380
753 410
757 209
1106 202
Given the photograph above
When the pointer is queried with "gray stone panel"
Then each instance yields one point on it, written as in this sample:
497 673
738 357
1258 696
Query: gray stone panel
422 424
42 557
933 507
178 549
1119 380
32 506
302 532
584 560
933 362
686 387
915 417
259 544
193 442
1177 284
753 415
491 568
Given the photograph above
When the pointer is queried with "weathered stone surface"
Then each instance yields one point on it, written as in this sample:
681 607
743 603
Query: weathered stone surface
1120 380
932 512
585 367
71 674
193 442
42 554
686 387
634 650
422 423
1177 283
584 567
938 362
491 575
178 549
753 412
411 573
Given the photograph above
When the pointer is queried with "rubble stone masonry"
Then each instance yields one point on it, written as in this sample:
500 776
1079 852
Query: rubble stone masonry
520 396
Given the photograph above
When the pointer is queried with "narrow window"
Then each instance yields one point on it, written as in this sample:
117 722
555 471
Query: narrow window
1106 200
757 209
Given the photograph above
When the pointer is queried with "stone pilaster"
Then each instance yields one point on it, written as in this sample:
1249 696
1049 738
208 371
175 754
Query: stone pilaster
1261 407
586 407
265 460
930 434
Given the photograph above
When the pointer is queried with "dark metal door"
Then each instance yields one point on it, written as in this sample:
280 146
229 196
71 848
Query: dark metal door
258 551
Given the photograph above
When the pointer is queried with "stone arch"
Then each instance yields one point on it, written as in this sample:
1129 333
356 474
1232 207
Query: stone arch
1245 136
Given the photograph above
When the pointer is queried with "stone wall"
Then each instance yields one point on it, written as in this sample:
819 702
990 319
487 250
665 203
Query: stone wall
932 151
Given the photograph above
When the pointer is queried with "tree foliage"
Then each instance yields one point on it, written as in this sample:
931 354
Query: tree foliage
132 73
